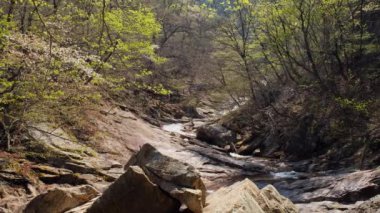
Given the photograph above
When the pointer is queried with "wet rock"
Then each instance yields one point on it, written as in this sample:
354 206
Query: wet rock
134 192
181 180
60 200
245 196
216 134
349 187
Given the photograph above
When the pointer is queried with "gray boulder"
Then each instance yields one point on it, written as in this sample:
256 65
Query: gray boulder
216 134
181 180
134 192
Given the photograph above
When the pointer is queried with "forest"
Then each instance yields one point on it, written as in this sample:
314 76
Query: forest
189 106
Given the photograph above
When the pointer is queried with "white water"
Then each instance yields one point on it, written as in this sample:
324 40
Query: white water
177 128
237 156
286 175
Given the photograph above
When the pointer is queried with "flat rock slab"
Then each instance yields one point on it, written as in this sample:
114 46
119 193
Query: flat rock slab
360 185
369 206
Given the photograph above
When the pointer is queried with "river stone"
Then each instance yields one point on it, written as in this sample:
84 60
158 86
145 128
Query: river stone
181 180
134 192
216 134
60 200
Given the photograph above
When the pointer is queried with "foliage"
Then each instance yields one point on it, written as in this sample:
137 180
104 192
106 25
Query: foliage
75 52
359 106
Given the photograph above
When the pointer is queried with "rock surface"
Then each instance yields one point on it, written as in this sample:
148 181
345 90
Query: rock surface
236 198
60 200
323 207
349 187
134 192
218 169
181 180
245 196
270 200
216 134
370 206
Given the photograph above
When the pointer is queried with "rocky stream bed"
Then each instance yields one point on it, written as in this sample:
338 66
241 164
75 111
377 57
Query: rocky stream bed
75 165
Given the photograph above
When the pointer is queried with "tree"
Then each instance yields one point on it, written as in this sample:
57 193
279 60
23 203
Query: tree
311 39
94 48
186 43
236 41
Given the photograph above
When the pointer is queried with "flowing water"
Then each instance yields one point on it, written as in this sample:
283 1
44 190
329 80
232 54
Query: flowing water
180 128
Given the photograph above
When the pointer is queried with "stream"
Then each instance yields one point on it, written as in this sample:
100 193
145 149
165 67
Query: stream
307 190
180 129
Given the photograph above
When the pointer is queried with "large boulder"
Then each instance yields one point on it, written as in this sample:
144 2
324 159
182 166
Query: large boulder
246 197
216 134
134 192
181 180
60 200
